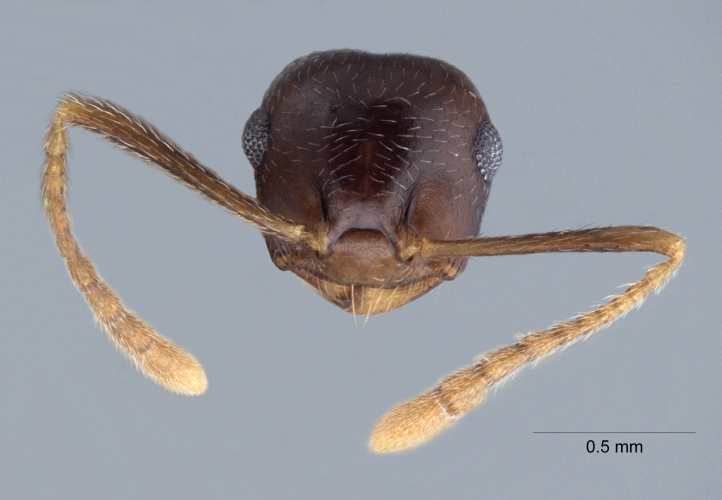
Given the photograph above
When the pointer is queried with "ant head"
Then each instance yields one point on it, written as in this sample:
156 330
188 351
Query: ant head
372 152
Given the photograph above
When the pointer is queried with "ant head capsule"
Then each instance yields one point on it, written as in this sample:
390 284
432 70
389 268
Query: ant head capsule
368 151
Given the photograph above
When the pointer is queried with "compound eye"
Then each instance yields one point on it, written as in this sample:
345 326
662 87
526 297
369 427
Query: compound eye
255 137
487 150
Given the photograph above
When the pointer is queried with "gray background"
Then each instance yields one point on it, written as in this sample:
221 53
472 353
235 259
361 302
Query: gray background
610 113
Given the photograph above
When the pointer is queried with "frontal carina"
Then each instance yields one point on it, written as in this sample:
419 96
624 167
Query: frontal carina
372 175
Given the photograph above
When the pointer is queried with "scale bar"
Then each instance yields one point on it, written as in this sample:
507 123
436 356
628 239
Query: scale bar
614 432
